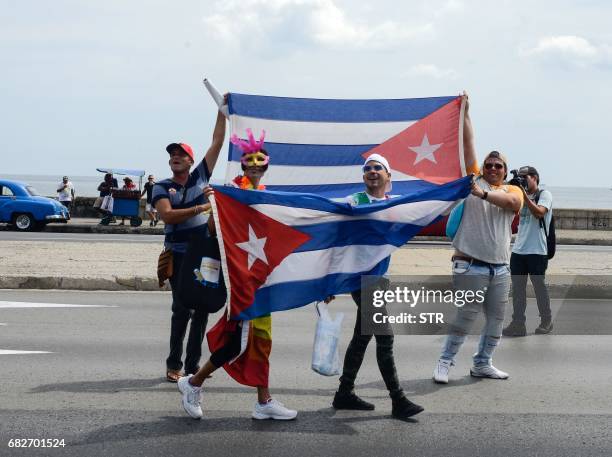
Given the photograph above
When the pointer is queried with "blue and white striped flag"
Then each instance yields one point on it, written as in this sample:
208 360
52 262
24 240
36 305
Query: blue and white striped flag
319 146
282 250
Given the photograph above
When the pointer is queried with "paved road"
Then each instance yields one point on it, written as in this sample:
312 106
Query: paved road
100 388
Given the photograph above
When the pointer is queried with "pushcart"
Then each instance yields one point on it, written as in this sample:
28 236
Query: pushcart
126 203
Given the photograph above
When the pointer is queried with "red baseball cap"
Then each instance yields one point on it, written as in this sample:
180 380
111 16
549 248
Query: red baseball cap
183 146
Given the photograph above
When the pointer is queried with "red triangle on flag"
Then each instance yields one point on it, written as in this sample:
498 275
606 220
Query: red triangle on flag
255 244
428 149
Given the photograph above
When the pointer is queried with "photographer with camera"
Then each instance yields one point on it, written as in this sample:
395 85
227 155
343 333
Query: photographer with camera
530 252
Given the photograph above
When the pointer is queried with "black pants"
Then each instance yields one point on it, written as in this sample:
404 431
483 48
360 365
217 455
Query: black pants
67 204
356 351
178 327
535 266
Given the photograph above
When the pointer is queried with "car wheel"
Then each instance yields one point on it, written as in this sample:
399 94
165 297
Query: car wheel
23 222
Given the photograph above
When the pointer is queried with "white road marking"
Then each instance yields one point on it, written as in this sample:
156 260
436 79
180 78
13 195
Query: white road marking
11 352
19 304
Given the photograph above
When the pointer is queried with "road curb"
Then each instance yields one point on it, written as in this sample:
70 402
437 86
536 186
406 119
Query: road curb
109 229
112 284
95 228
580 287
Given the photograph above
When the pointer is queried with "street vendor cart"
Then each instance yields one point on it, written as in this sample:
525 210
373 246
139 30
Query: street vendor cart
125 203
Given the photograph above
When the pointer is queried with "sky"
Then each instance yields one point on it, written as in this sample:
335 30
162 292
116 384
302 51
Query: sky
110 83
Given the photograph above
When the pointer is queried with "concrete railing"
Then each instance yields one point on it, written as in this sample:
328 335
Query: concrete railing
583 219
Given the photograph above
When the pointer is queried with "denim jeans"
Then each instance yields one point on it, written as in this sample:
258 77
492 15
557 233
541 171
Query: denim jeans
494 280
178 327
535 266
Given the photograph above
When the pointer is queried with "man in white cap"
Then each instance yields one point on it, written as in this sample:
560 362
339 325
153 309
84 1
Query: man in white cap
377 180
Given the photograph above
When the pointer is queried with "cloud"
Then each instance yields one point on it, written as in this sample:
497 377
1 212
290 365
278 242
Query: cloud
253 23
432 71
450 7
570 49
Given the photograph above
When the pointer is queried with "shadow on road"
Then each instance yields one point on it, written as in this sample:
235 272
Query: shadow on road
323 421
411 387
421 386
160 385
108 386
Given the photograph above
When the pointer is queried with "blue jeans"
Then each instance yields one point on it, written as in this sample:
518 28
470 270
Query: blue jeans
494 281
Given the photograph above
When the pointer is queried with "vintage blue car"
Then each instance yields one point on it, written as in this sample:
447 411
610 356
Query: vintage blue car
22 207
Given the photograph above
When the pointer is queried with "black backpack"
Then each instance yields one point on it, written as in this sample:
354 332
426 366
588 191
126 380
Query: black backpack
551 237
193 291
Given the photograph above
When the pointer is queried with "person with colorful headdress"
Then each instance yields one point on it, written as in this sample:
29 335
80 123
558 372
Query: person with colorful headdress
254 161
248 364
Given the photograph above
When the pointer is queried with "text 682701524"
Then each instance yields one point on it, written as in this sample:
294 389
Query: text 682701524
36 442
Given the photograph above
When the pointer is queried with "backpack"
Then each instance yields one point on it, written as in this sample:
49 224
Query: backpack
454 220
194 290
551 237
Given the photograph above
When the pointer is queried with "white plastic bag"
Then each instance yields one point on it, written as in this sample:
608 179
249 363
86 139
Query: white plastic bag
325 356
107 204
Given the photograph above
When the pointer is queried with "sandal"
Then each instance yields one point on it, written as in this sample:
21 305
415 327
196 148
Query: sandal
173 375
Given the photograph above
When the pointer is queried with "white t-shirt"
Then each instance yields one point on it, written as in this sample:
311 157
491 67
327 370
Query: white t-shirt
486 229
65 195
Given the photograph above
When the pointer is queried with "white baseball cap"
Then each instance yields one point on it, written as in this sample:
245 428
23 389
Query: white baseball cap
380 159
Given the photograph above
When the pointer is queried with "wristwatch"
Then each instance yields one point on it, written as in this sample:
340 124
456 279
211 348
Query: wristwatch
484 196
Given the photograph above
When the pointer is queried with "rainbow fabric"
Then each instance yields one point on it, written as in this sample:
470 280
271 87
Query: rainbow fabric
252 366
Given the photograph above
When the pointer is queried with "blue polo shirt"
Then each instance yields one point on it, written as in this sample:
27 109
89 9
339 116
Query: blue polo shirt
187 196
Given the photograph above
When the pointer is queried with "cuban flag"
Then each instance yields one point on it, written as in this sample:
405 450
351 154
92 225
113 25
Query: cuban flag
284 250
318 146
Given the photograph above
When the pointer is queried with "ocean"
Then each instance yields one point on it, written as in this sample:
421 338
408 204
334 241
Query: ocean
563 197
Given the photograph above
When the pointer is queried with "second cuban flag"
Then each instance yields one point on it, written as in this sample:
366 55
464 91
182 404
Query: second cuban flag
282 250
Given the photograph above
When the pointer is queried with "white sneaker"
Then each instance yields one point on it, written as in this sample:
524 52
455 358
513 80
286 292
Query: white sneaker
488 371
192 396
440 374
273 410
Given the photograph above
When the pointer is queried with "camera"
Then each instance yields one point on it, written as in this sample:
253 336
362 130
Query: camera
518 180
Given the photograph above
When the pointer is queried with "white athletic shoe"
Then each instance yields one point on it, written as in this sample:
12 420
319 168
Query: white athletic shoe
192 396
488 371
273 410
440 374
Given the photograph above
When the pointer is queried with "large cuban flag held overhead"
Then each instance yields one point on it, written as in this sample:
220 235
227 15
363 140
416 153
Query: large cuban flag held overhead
283 250
319 145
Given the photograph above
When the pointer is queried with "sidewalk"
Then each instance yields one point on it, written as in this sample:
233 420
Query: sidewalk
133 266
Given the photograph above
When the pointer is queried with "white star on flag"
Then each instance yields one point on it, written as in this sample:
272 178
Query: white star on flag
425 150
254 247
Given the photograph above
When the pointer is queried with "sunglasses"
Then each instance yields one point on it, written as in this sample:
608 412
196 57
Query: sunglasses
497 166
257 159
368 168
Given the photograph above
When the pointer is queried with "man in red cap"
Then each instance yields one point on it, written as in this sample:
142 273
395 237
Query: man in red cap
180 203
